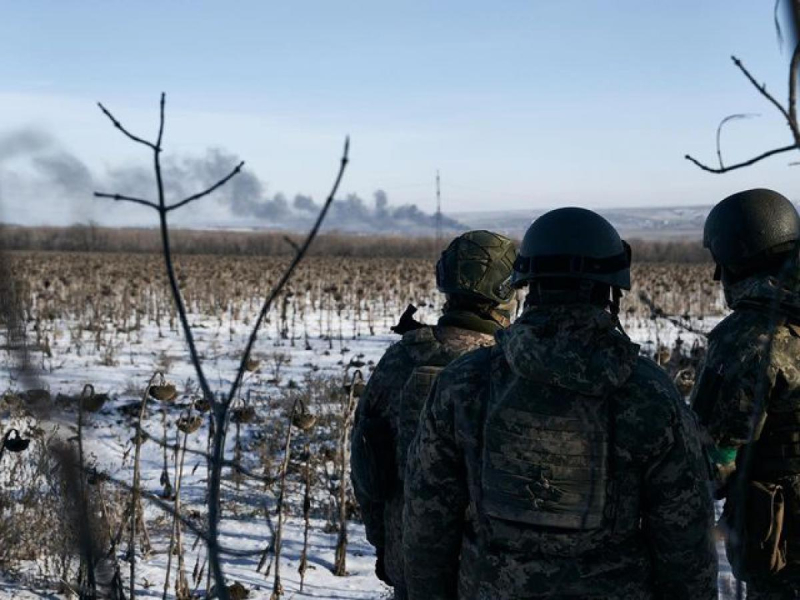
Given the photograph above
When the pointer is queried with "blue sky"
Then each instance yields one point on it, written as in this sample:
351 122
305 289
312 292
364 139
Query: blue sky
519 104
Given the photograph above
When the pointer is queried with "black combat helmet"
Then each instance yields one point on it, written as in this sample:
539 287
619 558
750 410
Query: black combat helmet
750 231
573 244
477 265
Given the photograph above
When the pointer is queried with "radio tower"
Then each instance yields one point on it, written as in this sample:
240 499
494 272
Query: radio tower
438 214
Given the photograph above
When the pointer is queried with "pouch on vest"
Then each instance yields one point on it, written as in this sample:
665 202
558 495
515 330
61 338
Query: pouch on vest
379 454
545 457
412 401
759 549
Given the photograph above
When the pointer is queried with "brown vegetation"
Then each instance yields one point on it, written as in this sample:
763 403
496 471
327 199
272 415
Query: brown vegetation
93 238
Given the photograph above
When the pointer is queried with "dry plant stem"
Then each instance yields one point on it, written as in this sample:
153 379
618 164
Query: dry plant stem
112 551
168 491
277 587
182 586
306 515
134 509
340 562
86 544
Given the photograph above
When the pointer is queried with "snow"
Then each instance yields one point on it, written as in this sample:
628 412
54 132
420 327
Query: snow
124 373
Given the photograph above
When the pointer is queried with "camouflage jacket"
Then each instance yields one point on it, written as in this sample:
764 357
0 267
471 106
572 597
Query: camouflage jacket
382 399
637 526
749 384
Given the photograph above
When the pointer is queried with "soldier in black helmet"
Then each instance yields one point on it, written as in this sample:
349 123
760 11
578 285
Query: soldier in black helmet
558 463
748 392
475 273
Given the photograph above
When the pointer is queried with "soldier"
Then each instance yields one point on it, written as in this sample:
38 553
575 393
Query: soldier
559 463
748 392
475 274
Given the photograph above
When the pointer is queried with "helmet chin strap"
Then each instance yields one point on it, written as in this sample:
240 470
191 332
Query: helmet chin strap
616 296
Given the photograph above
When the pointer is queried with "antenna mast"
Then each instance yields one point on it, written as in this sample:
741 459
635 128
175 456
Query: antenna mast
438 213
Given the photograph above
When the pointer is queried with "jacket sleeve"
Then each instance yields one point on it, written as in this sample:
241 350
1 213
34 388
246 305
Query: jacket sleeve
678 513
435 500
383 389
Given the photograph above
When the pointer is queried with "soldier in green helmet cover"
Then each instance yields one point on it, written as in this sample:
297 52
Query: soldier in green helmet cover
748 393
475 274
558 463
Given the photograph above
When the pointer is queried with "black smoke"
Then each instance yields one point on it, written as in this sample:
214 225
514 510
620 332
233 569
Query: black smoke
51 170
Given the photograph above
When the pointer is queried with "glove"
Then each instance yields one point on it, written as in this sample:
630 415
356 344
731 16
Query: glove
380 567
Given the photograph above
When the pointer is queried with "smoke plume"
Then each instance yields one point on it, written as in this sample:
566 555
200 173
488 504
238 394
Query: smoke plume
37 162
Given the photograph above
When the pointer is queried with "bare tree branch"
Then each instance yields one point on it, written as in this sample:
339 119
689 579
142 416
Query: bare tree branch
746 163
161 122
658 312
119 126
762 89
121 198
232 464
722 123
219 408
289 271
206 192
218 450
292 243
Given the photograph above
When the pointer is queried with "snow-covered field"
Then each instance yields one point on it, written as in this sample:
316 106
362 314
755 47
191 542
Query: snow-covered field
284 368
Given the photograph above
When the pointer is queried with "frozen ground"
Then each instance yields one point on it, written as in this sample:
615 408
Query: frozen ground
121 365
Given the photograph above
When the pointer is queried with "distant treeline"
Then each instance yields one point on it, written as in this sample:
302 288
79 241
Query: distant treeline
92 238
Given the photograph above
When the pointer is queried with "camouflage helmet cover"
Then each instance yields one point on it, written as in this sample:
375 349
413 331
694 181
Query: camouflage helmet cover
573 243
477 264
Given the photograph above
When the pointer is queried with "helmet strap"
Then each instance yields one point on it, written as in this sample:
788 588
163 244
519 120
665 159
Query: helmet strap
616 296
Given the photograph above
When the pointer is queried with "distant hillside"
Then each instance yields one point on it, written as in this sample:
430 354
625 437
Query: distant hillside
641 223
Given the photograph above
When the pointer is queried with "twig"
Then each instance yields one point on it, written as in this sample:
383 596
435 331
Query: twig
762 89
289 271
236 466
658 312
206 192
220 412
168 508
292 243
119 126
121 198
746 163
722 123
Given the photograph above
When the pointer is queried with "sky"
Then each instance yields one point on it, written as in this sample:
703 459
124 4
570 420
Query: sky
519 104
